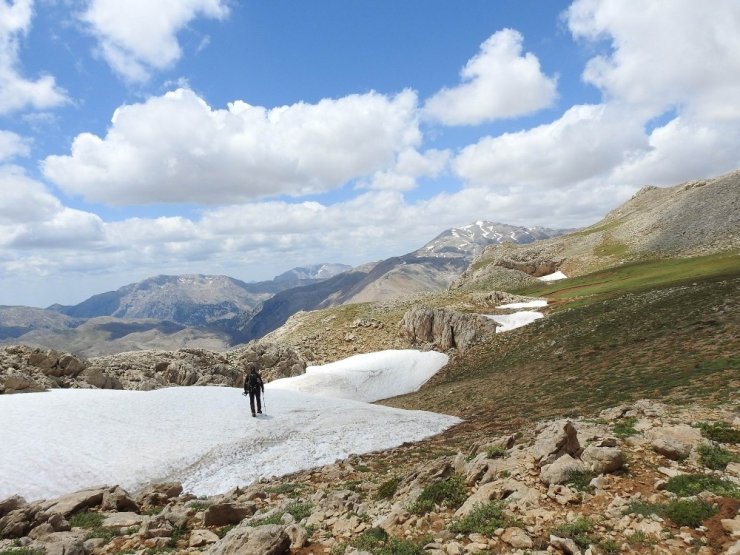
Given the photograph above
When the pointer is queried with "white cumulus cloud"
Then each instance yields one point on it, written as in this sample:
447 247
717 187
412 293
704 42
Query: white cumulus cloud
12 145
136 37
176 148
498 82
16 91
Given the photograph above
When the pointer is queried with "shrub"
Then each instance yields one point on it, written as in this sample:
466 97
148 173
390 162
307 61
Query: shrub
721 432
483 519
610 547
299 510
92 522
378 542
580 479
387 489
495 452
715 457
644 509
450 493
686 485
625 427
688 512
21 551
578 531
221 532
289 488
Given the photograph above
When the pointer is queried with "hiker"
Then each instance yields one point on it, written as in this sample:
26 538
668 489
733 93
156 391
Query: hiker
254 386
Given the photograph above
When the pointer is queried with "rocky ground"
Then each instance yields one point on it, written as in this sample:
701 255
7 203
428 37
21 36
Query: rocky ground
29 369
640 478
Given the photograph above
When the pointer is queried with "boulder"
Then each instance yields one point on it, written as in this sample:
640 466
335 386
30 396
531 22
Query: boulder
201 538
559 471
556 439
298 536
117 499
159 494
16 383
517 538
674 442
603 456
64 543
11 504
156 527
565 545
221 514
123 520
265 540
72 503
97 378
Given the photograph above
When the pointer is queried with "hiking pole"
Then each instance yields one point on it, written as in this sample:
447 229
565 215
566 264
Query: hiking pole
264 401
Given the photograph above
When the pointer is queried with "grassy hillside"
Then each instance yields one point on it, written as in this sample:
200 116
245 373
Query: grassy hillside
664 329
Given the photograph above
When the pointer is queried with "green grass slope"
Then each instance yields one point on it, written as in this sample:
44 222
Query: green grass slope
664 329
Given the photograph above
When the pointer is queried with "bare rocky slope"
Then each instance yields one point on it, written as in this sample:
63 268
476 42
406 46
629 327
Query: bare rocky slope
694 218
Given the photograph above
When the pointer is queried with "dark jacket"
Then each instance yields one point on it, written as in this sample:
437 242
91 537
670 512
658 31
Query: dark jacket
253 383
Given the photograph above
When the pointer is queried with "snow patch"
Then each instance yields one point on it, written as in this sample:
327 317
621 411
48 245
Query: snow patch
512 321
529 304
555 276
60 441
368 377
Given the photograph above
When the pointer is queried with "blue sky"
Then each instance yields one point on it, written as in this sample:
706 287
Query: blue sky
245 138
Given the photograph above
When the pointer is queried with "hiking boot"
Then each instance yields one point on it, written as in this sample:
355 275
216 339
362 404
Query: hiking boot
254 415
259 412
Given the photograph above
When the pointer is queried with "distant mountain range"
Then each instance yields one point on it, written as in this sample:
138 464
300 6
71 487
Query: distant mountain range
216 312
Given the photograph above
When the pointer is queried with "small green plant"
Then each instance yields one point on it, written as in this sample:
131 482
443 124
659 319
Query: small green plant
449 493
151 511
221 532
644 509
290 489
387 489
87 519
176 536
640 538
93 523
495 452
580 480
275 518
21 551
362 468
610 547
625 427
370 539
721 432
578 530
353 485
682 512
199 505
715 457
686 485
299 510
483 519
689 512
504 474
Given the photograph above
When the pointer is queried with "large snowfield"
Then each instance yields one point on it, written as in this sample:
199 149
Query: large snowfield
60 441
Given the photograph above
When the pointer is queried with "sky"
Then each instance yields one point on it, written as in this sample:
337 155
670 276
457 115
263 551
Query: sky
246 138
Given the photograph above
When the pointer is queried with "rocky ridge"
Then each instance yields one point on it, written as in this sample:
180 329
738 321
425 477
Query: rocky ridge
691 219
640 478
27 369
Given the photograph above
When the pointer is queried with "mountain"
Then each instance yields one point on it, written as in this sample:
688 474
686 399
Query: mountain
694 218
16 321
302 275
431 268
470 240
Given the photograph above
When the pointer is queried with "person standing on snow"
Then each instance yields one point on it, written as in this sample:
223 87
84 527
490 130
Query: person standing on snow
254 386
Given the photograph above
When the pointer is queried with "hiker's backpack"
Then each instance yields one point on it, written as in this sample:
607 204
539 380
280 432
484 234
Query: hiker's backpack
253 381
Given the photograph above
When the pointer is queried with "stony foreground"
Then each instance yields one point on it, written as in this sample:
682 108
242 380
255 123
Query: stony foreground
638 479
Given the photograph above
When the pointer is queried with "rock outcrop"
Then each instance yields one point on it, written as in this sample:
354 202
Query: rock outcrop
445 329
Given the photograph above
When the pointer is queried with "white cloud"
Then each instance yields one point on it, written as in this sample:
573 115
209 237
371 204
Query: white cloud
498 82
17 92
138 36
12 145
176 148
410 165
586 142
31 217
680 52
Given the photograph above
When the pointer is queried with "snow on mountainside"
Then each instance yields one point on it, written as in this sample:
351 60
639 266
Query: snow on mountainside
134 437
470 240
